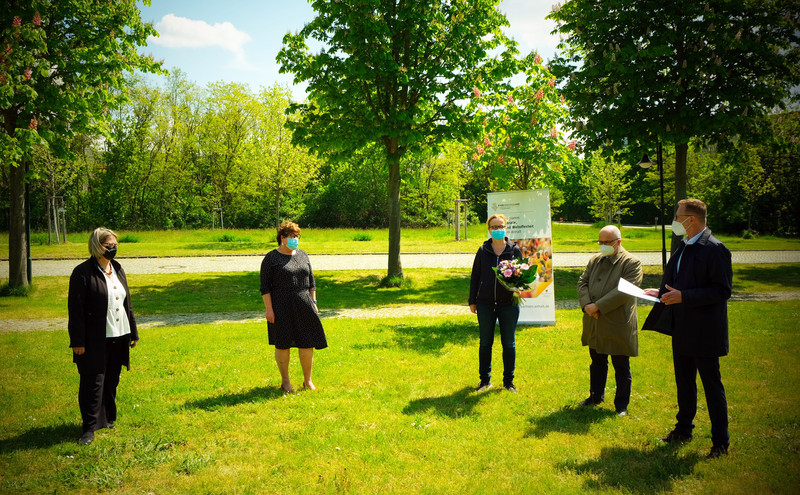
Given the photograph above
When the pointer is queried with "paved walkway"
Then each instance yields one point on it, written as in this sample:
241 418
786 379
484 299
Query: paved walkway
246 263
150 321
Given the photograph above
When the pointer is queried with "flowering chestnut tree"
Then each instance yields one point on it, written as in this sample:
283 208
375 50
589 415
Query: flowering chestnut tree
61 70
396 73
521 139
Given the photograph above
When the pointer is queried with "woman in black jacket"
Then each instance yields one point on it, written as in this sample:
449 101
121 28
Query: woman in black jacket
102 330
493 303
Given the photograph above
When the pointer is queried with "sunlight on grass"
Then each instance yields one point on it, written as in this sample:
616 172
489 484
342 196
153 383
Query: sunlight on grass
240 291
396 412
566 237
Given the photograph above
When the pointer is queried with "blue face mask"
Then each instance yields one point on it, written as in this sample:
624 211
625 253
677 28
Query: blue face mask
292 243
498 234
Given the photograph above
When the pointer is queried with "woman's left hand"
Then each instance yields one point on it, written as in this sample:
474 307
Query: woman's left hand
316 308
133 343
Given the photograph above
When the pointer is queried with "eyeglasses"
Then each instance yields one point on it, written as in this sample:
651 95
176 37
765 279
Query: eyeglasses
607 243
497 227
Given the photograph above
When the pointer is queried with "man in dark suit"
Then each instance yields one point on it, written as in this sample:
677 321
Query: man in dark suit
694 292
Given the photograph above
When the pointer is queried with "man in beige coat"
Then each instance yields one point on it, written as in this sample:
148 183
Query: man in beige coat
609 322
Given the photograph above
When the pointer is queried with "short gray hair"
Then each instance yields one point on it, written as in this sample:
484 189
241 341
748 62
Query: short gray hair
96 240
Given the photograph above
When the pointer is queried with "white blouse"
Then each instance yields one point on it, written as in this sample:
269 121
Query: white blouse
117 323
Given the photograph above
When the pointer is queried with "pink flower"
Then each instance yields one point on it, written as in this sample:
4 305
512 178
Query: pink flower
487 141
539 94
508 142
524 266
537 59
17 21
8 48
501 159
552 82
572 145
480 149
37 19
475 157
510 99
27 73
476 92
553 132
508 272
563 100
34 123
485 122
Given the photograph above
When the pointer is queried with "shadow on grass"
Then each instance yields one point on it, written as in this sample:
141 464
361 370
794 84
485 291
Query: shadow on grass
635 470
569 419
424 339
458 404
258 394
785 276
41 437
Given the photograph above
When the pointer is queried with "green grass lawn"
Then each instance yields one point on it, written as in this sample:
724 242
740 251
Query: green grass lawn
566 237
239 291
200 412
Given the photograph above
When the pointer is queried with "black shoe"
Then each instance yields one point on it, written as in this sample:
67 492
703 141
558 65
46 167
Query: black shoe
111 425
717 451
484 386
676 436
510 387
86 438
590 402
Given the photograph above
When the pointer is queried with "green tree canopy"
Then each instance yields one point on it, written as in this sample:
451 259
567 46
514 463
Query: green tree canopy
647 70
61 67
394 72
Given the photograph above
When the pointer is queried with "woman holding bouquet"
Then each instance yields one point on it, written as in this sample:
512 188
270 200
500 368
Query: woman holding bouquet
493 303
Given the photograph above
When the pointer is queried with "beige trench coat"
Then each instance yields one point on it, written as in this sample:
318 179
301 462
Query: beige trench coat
616 331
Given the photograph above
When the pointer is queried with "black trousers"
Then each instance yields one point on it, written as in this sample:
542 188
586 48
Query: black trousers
598 374
97 392
686 369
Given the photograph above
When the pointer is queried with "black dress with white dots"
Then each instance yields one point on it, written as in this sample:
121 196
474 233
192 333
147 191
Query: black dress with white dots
288 278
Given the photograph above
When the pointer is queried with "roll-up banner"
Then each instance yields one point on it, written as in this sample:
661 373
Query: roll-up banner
528 214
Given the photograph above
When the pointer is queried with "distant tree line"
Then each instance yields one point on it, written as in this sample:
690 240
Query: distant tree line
181 156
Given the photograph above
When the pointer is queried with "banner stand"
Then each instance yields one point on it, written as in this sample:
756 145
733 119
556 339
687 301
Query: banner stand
528 214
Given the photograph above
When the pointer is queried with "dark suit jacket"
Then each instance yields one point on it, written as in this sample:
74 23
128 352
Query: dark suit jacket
698 325
88 304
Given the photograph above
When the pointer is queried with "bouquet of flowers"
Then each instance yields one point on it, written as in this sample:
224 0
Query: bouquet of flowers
516 275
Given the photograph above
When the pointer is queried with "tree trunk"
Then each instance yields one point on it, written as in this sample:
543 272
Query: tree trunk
681 151
395 267
277 208
17 240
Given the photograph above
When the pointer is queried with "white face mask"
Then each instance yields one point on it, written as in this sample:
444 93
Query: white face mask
678 228
606 250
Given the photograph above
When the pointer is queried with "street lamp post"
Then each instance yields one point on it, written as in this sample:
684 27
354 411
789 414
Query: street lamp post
646 163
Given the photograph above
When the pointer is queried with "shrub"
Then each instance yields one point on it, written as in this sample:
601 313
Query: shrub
361 237
128 238
231 238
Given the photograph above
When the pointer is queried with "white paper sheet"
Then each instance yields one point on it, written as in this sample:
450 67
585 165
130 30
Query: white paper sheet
629 288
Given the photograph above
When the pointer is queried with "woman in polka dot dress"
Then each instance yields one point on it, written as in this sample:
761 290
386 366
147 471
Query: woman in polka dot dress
290 300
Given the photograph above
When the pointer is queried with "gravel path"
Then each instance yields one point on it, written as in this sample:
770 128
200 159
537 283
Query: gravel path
149 321
246 263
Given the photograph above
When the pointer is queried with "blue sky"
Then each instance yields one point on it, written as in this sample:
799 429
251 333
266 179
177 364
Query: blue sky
237 40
